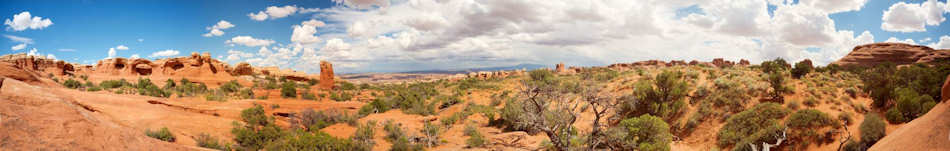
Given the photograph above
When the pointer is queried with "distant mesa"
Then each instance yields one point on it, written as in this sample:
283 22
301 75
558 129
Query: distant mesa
897 53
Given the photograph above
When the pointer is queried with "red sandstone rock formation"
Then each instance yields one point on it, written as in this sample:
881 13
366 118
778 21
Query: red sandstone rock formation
38 64
559 68
326 75
898 53
743 62
719 62
242 68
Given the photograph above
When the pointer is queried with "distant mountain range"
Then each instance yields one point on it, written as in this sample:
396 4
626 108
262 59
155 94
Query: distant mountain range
515 67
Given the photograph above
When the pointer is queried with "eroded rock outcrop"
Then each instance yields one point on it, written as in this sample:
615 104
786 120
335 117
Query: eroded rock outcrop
242 68
559 68
326 75
897 53
39 64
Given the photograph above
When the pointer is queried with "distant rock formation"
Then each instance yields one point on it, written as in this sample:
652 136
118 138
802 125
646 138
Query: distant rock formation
326 75
719 62
39 64
192 66
559 68
897 53
242 68
743 62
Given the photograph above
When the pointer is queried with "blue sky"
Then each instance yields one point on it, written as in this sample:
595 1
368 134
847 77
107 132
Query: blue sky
400 35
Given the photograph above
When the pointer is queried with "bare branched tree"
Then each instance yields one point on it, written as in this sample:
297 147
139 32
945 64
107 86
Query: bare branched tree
599 104
767 146
549 111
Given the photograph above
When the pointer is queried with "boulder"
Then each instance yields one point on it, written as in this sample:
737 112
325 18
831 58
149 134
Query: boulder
242 68
743 62
326 75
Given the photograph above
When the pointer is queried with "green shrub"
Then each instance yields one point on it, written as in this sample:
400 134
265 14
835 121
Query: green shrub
746 123
645 133
341 96
894 115
364 134
94 89
245 93
793 105
777 83
313 120
475 139
872 129
810 118
208 141
163 134
846 118
398 137
258 130
430 133
776 65
300 140
811 102
347 86
911 105
375 106
664 100
306 95
801 68
770 133
288 90
72 84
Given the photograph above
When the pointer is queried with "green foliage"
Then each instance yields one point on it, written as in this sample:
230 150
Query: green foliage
347 86
312 82
645 133
163 134
846 118
802 68
770 133
398 137
208 141
512 115
879 83
777 83
895 116
664 100
306 95
740 126
258 131
910 105
231 86
872 129
288 90
341 96
300 140
430 133
375 106
72 84
811 102
475 139
313 120
810 118
364 134
776 65
793 105
112 84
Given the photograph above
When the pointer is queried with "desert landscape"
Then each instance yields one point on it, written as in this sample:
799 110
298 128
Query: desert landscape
198 103
485 75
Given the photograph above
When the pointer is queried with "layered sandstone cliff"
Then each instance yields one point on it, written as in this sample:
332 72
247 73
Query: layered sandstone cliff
897 53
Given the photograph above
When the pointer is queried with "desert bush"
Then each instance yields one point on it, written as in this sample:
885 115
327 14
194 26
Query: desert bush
894 116
475 139
794 105
746 123
732 100
430 134
777 83
845 117
879 83
306 95
364 134
512 116
300 140
245 93
341 96
776 65
288 90
94 89
258 130
810 102
910 104
163 134
802 68
645 133
72 84
208 141
314 120
851 91
664 99
231 86
810 118
215 96
768 134
398 137
872 129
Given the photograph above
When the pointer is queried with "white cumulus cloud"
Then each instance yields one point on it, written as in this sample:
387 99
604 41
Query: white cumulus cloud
18 47
304 33
362 4
274 12
249 41
121 47
164 53
942 43
911 17
215 30
24 20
